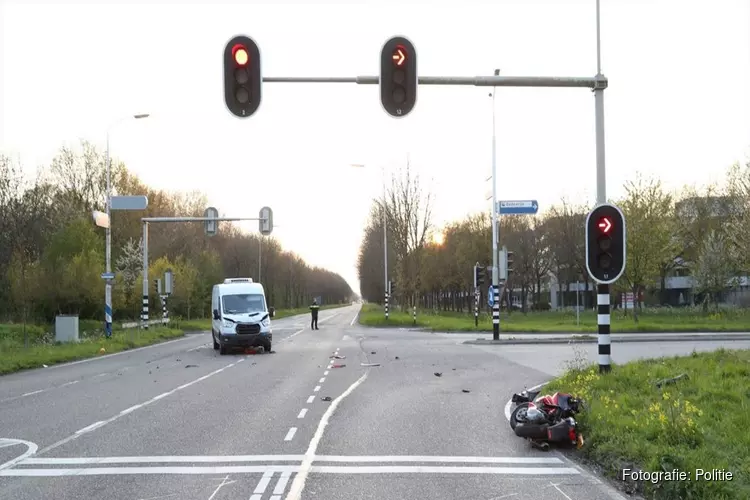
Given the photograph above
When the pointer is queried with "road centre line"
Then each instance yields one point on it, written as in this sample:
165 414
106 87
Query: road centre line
317 388
290 434
310 399
302 413
142 405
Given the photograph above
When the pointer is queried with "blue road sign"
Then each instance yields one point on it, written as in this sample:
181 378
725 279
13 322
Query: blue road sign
517 207
108 276
490 297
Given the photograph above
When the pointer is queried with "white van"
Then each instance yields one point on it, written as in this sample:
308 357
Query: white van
241 316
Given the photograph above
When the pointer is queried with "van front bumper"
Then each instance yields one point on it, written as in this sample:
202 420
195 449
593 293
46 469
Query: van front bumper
245 340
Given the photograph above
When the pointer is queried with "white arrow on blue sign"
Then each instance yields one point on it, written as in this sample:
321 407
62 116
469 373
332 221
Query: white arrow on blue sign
490 297
517 207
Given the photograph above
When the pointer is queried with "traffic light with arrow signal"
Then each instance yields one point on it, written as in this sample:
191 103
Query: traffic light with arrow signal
606 244
398 77
242 78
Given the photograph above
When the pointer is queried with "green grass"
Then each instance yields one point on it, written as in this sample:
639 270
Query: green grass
199 325
650 320
698 422
44 351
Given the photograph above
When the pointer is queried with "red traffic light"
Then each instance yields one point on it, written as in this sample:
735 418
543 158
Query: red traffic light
399 56
240 55
605 225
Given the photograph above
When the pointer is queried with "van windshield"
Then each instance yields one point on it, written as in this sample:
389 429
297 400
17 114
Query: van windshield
243 303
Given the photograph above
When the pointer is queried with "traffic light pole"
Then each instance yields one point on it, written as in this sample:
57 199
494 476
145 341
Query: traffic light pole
602 293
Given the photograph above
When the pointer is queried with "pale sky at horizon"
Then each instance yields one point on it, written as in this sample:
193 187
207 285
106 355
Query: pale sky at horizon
677 106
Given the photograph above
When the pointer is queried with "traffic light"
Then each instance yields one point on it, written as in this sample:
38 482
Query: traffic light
242 78
157 286
398 77
478 276
605 243
509 262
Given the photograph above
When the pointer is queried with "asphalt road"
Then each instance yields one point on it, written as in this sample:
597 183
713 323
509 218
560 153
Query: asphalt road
180 422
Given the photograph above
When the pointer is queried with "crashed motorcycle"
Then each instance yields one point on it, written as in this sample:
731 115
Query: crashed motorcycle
546 419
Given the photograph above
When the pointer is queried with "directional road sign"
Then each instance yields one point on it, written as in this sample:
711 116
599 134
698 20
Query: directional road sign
517 207
108 276
490 297
128 203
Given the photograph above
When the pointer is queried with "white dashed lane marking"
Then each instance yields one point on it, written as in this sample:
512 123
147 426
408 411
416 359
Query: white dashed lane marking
290 434
310 399
302 413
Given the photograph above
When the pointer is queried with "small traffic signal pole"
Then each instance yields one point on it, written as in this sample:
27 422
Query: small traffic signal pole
606 246
415 316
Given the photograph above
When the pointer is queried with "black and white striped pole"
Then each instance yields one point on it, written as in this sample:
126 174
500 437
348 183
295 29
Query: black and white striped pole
606 247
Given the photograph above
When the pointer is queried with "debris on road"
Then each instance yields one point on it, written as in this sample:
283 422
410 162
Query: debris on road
369 364
178 360
438 374
338 366
271 352
336 356
397 357
466 391
191 366
326 398
373 352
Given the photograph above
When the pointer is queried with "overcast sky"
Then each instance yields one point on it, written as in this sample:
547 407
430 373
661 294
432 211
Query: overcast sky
678 105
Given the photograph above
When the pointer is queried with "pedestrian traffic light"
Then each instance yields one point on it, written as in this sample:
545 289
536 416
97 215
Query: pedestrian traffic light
242 78
605 243
398 77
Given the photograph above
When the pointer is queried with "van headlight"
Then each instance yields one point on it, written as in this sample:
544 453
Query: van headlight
227 324
265 322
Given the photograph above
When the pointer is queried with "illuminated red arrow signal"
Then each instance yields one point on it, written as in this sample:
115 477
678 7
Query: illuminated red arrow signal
605 224
399 57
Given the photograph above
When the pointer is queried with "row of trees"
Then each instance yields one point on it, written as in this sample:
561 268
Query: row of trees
52 254
703 233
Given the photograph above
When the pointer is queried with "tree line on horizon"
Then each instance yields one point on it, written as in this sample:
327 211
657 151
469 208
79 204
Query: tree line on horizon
52 253
701 232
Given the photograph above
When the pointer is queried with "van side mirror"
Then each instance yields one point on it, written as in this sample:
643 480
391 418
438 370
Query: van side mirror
271 312
216 314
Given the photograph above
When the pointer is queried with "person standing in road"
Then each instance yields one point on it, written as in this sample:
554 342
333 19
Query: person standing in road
314 310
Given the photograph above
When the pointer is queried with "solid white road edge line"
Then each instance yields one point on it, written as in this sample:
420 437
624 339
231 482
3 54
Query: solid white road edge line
295 492
142 405
286 458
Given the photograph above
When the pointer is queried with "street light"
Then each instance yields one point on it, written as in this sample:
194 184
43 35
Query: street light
385 240
108 247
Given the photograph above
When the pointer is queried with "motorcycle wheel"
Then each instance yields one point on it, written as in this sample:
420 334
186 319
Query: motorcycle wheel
518 415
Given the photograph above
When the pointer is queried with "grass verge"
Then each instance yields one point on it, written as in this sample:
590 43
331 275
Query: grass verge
650 321
15 357
199 325
698 422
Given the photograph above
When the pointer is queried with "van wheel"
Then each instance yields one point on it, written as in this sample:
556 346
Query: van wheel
216 344
267 347
222 349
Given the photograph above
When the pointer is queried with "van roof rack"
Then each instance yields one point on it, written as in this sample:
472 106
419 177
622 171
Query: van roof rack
237 280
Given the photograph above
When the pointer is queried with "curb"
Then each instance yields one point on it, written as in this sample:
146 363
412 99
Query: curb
617 340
